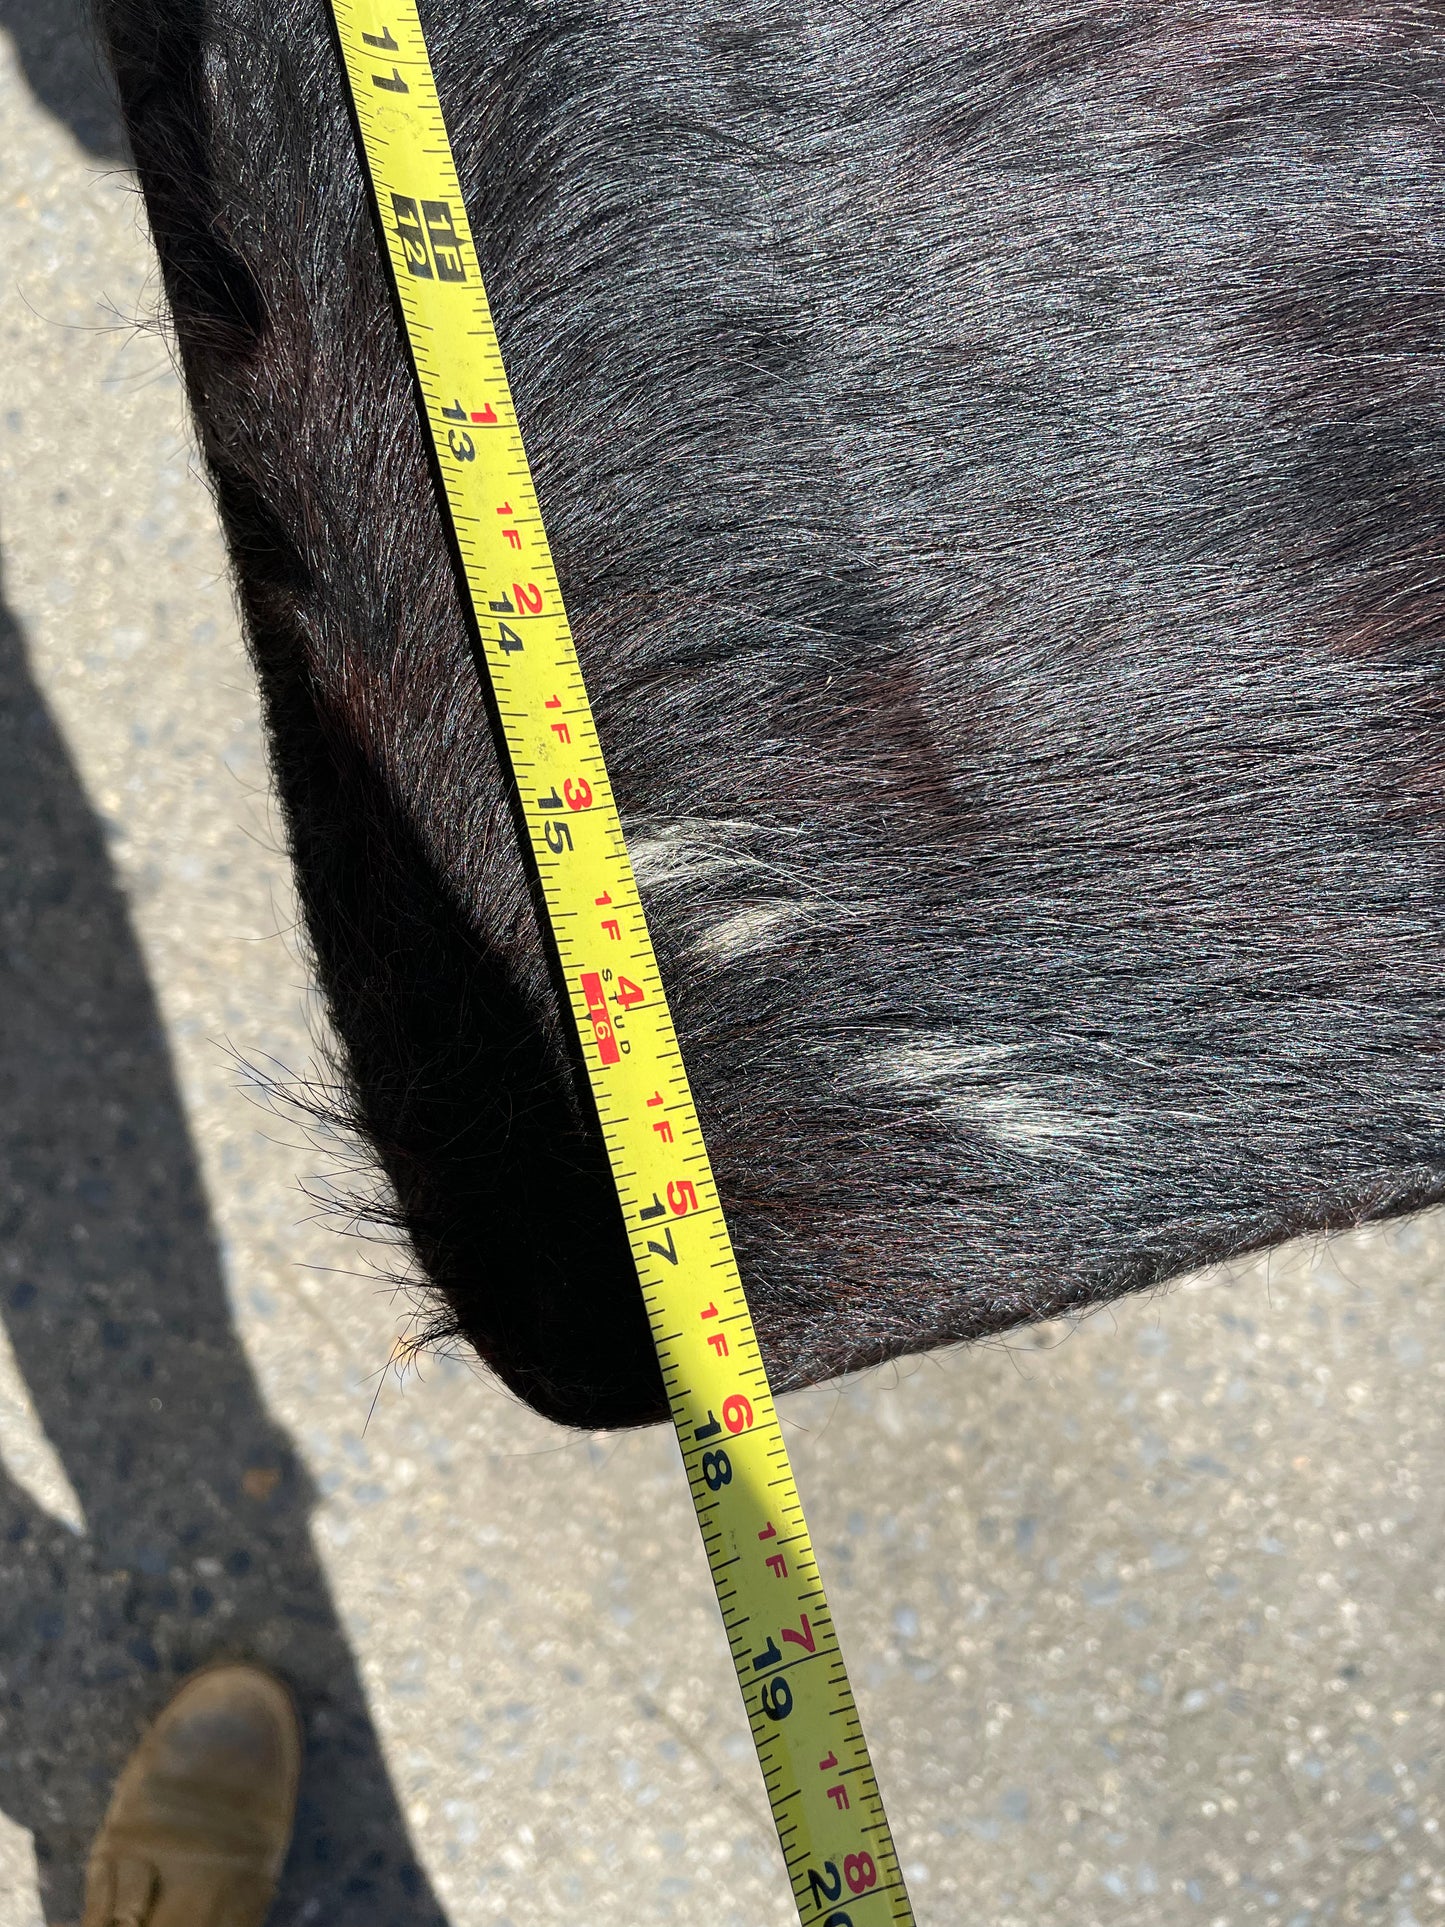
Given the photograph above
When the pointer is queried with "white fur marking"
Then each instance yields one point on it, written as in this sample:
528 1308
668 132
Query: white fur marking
933 1061
967 1083
685 851
1018 1118
755 927
702 846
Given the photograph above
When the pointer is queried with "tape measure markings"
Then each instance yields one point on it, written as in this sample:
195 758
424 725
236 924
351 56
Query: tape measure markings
814 1760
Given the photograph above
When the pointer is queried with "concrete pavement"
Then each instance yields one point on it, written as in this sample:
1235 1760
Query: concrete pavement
1143 1615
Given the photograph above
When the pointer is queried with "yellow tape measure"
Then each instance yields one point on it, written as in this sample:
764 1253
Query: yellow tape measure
830 1820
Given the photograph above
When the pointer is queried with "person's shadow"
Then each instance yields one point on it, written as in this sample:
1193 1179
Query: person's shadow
196 1544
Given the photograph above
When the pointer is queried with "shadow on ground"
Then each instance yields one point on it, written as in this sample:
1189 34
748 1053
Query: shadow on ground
197 1543
59 60
196 1507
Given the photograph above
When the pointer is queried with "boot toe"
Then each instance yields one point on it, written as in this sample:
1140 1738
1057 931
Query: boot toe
201 1816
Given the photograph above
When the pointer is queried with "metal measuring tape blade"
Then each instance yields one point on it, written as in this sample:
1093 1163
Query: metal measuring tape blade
819 1779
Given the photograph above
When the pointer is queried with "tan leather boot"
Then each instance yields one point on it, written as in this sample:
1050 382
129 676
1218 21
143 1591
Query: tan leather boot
201 1816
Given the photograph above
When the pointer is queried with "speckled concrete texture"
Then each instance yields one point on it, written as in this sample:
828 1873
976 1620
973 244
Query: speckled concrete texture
1143 1616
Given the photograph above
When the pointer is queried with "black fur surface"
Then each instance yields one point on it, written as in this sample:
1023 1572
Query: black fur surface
994 460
